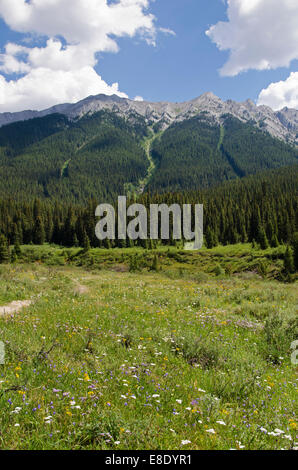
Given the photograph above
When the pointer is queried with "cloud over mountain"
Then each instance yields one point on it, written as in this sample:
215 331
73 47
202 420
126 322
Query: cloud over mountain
73 33
281 94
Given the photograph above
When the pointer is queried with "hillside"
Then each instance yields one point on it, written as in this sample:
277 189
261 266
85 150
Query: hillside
199 153
53 157
102 154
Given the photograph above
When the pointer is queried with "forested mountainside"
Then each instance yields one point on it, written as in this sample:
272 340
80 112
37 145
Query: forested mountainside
53 157
199 153
101 155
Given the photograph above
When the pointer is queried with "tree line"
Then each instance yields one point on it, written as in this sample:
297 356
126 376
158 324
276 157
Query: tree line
260 209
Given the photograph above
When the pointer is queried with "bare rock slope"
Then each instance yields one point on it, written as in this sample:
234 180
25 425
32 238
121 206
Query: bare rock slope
282 124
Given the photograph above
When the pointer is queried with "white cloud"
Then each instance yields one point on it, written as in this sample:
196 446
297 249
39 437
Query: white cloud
260 34
43 87
138 98
76 30
281 94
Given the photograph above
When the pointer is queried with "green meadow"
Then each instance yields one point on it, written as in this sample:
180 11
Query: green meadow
135 349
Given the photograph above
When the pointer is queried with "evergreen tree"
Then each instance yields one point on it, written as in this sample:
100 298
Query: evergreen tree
75 241
86 243
274 241
17 248
295 249
14 256
262 239
38 232
4 252
210 238
289 261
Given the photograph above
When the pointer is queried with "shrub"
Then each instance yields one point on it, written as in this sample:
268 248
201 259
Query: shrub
198 351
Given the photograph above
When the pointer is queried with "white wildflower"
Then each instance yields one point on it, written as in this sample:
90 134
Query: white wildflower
184 443
211 431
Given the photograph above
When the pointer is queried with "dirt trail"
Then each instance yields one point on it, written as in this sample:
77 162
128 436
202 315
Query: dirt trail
14 307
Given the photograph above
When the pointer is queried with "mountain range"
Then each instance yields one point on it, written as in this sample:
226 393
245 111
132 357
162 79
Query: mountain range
282 124
104 146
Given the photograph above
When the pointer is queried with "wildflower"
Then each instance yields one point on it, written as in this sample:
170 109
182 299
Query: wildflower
240 446
86 378
185 443
278 431
179 401
210 431
16 410
221 422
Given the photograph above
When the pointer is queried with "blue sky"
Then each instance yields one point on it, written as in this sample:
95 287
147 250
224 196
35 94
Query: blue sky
182 67
157 50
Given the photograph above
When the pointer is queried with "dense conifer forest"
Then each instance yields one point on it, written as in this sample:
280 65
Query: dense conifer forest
262 209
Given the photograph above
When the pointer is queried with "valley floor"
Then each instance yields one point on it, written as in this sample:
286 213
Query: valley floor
110 359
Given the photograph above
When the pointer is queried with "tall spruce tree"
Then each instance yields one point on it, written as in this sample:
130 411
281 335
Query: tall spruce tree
295 249
38 232
4 252
262 239
289 261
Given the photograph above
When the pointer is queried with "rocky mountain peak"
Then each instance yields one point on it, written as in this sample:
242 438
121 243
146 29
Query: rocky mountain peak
282 124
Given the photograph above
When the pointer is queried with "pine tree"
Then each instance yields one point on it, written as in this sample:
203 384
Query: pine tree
75 241
17 248
255 224
69 229
274 241
14 256
38 232
295 249
4 252
86 243
262 239
289 261
210 238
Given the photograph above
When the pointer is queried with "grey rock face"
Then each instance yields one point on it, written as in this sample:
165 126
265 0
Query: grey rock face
281 124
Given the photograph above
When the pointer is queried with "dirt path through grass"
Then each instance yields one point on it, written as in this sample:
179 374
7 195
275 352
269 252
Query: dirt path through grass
14 307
